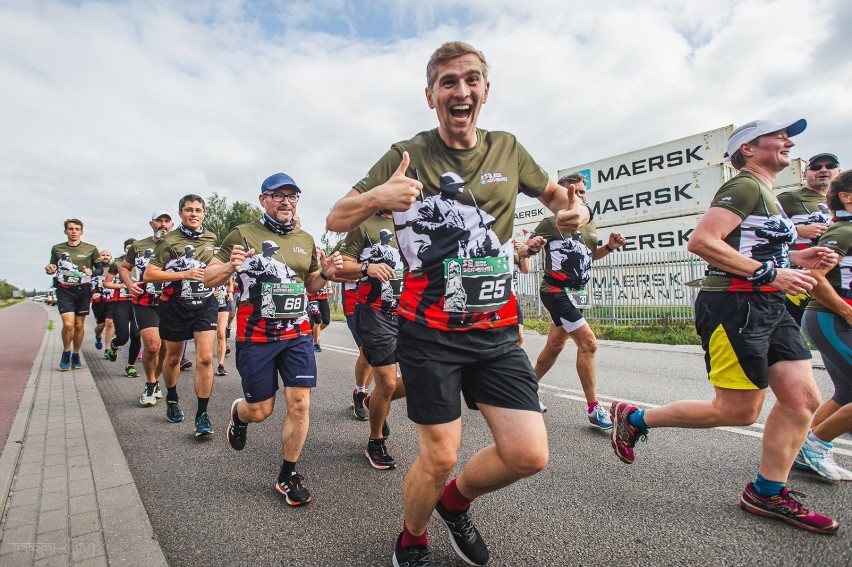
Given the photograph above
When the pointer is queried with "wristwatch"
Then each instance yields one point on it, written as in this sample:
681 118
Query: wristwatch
364 269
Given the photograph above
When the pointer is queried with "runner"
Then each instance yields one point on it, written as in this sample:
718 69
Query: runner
73 263
276 263
187 308
371 252
122 316
318 308
224 294
567 268
750 341
453 192
101 306
807 209
828 324
146 298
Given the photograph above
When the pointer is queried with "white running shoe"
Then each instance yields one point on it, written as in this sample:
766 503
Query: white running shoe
819 458
542 407
600 418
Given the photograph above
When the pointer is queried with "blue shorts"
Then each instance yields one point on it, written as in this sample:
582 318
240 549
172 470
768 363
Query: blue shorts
260 364
350 322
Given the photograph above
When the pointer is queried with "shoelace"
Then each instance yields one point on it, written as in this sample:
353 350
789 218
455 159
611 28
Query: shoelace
791 502
294 481
463 526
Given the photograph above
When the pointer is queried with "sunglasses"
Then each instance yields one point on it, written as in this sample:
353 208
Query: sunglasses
819 166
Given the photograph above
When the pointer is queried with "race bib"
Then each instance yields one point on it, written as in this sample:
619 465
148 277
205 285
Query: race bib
123 294
476 285
579 297
72 277
155 289
282 300
194 289
396 283
223 299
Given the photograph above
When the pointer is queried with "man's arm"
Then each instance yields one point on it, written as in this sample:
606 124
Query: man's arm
396 194
616 240
328 267
218 272
571 213
124 273
155 273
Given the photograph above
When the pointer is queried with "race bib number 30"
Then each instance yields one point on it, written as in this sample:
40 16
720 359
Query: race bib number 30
285 300
477 285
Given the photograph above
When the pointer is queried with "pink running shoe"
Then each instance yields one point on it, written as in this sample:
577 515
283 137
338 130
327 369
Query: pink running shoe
788 507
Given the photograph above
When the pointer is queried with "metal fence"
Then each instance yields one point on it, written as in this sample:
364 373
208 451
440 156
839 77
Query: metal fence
628 287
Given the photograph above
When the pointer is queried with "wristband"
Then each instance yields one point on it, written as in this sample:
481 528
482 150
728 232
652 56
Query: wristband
364 269
323 276
608 248
765 274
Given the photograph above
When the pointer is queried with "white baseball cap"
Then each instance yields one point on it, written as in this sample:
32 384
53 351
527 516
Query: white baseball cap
748 132
161 213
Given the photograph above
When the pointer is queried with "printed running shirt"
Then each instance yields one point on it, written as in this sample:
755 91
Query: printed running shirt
838 237
70 262
176 252
271 283
456 239
120 294
805 207
567 261
765 233
374 242
139 254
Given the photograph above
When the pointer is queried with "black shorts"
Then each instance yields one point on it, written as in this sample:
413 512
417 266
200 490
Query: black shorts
743 334
350 322
322 316
487 366
146 316
377 330
563 311
102 311
74 299
180 322
260 364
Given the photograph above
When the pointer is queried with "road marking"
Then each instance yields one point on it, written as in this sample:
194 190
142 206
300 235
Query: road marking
577 395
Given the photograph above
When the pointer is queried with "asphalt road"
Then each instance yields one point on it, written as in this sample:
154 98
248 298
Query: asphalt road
676 505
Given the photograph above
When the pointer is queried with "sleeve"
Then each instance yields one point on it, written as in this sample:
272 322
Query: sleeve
382 170
532 179
739 195
838 237
161 253
224 253
786 201
130 257
54 256
315 265
353 244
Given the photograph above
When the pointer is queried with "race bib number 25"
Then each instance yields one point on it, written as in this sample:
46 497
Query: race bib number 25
477 285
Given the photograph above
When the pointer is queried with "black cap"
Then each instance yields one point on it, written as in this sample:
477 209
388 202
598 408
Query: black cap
830 157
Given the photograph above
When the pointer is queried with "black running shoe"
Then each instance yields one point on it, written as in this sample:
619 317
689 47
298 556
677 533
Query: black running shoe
377 454
414 556
293 490
464 536
236 433
361 411
185 363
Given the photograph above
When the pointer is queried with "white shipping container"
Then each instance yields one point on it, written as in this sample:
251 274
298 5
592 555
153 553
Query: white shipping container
654 236
686 154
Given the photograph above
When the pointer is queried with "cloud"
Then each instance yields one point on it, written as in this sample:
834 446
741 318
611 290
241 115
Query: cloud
115 109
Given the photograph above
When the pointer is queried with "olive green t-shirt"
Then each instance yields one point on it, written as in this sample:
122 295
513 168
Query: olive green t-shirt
139 254
177 252
838 237
764 233
70 262
466 211
567 260
374 242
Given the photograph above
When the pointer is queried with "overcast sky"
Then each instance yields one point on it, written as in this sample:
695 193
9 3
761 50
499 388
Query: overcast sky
110 110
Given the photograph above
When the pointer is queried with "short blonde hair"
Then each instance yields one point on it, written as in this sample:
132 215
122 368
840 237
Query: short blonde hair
451 50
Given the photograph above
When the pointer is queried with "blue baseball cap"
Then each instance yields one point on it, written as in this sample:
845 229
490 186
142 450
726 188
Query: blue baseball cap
278 180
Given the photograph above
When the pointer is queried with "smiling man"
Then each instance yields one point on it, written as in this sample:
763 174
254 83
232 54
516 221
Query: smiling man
452 191
187 308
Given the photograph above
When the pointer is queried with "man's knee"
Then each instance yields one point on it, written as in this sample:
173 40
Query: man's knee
438 462
527 460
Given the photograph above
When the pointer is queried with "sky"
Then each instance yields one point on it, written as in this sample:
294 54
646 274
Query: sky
114 109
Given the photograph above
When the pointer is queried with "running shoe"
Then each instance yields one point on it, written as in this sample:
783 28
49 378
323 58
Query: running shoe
624 435
130 372
146 400
99 344
76 364
359 408
819 458
599 417
236 434
185 363
106 354
227 351
65 361
227 334
157 392
173 412
203 427
541 407
317 348
220 370
414 556
377 454
788 507
294 490
464 536
112 352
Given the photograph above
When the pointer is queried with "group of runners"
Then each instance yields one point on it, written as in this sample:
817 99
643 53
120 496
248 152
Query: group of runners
427 266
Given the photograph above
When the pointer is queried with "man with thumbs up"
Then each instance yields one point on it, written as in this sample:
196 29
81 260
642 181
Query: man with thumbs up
449 348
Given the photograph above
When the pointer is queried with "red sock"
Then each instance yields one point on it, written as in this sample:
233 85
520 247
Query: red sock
409 539
591 406
453 500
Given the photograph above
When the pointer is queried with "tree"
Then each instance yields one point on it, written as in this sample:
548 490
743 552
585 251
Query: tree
329 240
220 218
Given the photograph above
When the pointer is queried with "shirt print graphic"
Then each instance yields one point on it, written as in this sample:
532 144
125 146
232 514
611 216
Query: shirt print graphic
261 268
189 289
